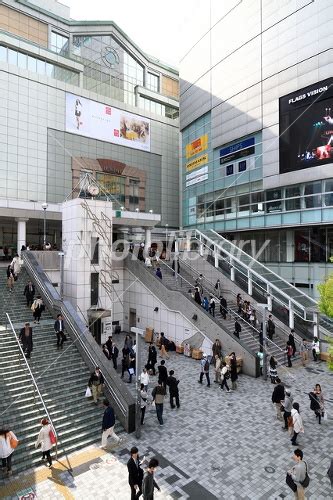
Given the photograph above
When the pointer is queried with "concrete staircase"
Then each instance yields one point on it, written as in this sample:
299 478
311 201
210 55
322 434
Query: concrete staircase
61 376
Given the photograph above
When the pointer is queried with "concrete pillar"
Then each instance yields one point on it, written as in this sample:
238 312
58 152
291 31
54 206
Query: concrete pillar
316 325
232 271
147 238
21 232
291 316
290 245
201 249
216 258
176 246
269 299
249 283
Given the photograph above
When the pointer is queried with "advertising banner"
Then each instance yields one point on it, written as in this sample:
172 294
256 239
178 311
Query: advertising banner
197 176
105 123
238 150
198 162
194 147
306 127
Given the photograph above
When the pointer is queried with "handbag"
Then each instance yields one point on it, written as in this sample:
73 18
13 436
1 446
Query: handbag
131 371
290 482
306 481
13 442
88 392
53 439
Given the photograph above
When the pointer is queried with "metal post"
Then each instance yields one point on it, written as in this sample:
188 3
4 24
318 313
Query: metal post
138 388
316 325
249 283
44 207
61 255
216 258
291 315
264 342
232 271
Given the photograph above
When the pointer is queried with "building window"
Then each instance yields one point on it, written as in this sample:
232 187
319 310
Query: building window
94 278
94 250
113 185
294 193
133 192
153 82
271 204
59 43
257 205
311 189
329 196
244 203
229 169
242 166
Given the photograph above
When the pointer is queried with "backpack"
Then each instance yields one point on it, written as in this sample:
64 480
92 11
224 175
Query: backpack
227 375
206 366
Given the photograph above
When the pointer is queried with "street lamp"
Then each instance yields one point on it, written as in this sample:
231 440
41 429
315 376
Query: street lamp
44 207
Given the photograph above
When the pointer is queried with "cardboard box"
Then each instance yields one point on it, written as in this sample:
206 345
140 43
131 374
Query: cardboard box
197 354
180 349
326 356
149 335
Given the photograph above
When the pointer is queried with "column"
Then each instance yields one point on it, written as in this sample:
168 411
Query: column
147 238
232 271
291 316
21 232
290 245
269 299
316 325
249 283
216 258
176 246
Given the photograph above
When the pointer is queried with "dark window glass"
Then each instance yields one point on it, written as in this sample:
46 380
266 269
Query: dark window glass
229 169
294 193
244 203
271 205
94 288
242 166
94 250
312 201
257 202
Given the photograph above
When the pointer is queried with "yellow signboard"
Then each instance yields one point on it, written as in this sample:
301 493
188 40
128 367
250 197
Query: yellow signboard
198 162
194 147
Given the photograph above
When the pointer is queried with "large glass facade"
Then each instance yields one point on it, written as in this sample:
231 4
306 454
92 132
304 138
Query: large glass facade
59 43
38 65
113 185
108 68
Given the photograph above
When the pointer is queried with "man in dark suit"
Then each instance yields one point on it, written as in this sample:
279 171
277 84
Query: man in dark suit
135 474
29 292
59 328
172 382
109 344
162 373
114 355
26 339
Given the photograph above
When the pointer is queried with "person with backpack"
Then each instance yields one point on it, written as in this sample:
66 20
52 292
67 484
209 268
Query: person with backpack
278 396
37 308
152 358
223 307
297 477
272 369
204 364
289 353
225 375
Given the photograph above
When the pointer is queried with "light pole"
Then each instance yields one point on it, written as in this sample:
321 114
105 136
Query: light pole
264 307
44 207
61 255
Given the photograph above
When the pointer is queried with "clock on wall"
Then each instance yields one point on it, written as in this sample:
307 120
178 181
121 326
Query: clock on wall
110 57
93 190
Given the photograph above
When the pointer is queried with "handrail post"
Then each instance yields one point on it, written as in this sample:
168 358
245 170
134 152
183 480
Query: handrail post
249 282
269 299
291 315
232 270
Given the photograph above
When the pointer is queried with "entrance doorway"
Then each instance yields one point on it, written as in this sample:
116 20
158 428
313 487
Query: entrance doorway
132 318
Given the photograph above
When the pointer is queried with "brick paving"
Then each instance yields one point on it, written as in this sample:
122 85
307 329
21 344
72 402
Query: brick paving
216 445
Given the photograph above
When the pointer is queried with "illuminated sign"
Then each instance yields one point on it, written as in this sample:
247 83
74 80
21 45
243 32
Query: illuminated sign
238 150
198 162
105 123
195 147
197 176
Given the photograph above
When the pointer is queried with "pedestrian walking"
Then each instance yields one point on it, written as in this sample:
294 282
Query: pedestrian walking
143 402
211 308
239 301
304 352
217 349
292 341
10 278
272 369
217 369
277 397
297 423
225 374
172 383
270 327
159 273
197 296
287 407
95 383
109 344
16 265
223 307
253 318
149 483
37 308
152 358
204 365
297 475
218 288
163 346
114 355
29 292
59 328
315 349
144 378
162 373
108 424
46 440
330 473
135 474
124 364
131 367
26 339
233 371
238 328
128 344
317 402
105 351
8 442
289 353
158 399
205 304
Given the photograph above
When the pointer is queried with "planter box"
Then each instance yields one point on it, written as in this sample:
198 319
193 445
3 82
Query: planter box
180 349
197 354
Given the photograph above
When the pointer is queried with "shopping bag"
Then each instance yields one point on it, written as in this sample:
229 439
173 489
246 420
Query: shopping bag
13 442
131 371
88 392
53 439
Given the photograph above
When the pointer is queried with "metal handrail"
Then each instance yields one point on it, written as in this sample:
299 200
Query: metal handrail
56 303
34 383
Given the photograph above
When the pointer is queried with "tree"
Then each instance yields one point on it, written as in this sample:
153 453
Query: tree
326 307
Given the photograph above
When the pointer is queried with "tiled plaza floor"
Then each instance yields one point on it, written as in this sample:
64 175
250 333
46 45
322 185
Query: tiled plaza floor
216 445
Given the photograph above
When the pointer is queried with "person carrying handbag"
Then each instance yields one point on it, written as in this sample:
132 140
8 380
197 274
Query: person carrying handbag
297 477
46 439
8 443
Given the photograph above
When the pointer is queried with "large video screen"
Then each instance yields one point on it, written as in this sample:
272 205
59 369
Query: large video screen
106 123
306 127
